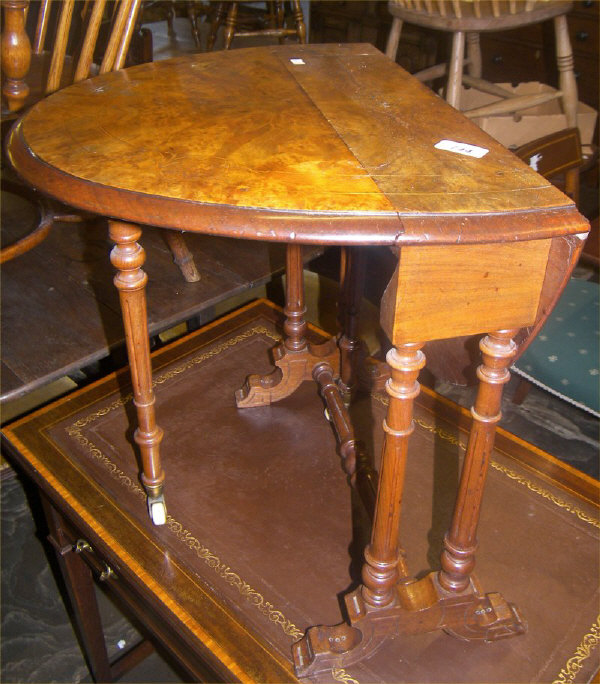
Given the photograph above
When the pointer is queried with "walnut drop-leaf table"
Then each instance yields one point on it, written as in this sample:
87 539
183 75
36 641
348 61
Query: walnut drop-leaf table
328 145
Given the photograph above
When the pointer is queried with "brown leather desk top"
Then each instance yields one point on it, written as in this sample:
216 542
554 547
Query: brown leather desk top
312 143
257 497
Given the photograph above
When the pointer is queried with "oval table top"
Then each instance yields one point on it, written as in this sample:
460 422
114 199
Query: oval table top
325 144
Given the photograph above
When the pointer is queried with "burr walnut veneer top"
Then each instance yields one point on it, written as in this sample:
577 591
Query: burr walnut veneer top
315 143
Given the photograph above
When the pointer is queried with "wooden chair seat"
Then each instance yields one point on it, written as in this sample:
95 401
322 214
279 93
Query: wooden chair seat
478 15
466 20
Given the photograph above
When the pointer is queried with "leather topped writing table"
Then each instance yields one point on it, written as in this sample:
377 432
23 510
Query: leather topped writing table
328 145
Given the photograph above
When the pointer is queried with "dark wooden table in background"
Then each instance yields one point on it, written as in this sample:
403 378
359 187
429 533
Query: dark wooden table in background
60 311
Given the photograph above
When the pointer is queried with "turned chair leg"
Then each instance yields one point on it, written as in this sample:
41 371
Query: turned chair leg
181 255
128 258
474 54
564 59
384 565
391 49
218 18
460 543
299 21
456 69
230 24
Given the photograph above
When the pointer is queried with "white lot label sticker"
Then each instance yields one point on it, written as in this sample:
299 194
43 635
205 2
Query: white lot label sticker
462 148
297 61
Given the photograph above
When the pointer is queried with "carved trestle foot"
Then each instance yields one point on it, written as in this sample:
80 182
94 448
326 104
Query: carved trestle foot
292 368
295 358
418 606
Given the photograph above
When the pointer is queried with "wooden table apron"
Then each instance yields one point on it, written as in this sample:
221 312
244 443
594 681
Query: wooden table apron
328 144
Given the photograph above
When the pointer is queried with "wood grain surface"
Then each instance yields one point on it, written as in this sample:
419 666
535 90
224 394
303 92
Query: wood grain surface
252 144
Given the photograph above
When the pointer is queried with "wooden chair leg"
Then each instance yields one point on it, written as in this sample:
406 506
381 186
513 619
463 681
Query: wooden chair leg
128 258
81 592
299 21
458 558
564 59
218 19
193 16
230 24
391 49
181 255
169 6
474 54
455 69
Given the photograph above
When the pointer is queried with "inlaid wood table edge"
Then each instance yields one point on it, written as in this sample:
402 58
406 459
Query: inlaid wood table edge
369 170
198 621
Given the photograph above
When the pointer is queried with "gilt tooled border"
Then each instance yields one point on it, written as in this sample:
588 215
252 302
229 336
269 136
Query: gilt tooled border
592 638
566 675
582 653
513 475
185 536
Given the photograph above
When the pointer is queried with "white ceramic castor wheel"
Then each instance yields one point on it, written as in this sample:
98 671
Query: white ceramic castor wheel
158 511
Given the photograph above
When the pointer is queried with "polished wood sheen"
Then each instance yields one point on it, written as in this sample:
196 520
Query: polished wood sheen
329 145
350 146
66 51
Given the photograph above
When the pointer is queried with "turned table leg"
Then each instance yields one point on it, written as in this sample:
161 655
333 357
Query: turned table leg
458 558
384 565
295 308
128 258
389 602
295 358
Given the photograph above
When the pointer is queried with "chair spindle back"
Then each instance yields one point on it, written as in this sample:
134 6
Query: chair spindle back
92 14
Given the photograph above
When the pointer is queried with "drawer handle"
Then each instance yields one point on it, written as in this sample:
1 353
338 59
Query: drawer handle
588 3
497 59
82 545
582 36
107 573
